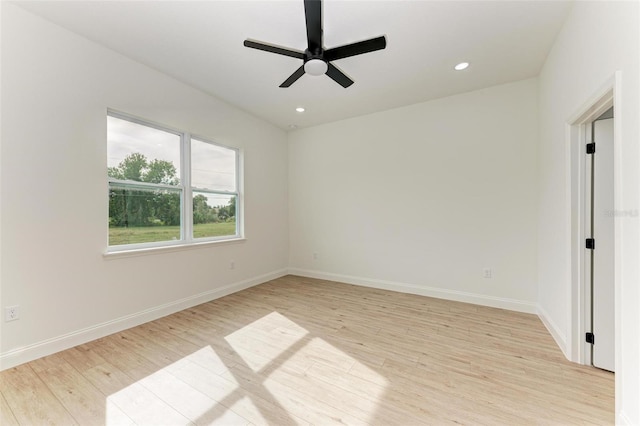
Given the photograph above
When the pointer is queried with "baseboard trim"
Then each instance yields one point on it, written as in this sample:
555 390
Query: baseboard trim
37 350
554 330
439 293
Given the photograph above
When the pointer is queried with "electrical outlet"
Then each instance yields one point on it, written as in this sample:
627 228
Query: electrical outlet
487 273
232 264
11 313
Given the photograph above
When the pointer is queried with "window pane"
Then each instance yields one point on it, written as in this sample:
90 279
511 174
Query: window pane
143 215
142 153
214 215
212 166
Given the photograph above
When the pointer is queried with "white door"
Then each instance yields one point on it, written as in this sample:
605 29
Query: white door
603 254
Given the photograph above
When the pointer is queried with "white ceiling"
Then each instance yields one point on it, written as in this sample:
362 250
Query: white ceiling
200 43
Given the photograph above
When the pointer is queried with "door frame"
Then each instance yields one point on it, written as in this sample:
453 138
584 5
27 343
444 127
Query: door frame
580 292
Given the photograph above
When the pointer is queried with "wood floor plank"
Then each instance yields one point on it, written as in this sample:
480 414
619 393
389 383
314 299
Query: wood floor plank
79 397
123 357
30 400
292 399
6 415
306 351
82 357
188 401
262 412
144 407
107 378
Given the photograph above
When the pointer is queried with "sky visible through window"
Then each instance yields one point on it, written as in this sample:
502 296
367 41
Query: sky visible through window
212 167
125 138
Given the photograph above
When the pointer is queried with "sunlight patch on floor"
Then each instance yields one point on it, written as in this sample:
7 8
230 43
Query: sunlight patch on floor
327 378
185 392
265 340
297 370
274 372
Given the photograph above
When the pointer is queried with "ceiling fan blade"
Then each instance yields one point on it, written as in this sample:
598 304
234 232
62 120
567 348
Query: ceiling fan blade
354 49
274 49
338 76
295 76
313 16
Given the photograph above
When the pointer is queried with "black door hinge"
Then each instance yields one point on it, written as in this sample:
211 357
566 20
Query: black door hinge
591 243
591 148
590 338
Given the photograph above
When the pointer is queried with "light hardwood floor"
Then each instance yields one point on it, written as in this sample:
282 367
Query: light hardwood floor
304 351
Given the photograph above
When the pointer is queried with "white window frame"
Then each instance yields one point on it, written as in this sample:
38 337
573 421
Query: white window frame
185 189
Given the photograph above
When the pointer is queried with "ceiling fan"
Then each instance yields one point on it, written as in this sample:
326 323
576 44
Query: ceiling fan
317 59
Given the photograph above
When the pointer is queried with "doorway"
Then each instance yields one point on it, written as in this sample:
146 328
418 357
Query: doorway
580 132
600 240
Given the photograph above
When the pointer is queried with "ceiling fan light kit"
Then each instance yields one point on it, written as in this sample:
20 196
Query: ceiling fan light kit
316 59
315 67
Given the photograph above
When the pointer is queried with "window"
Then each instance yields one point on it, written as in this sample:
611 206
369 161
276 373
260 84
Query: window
168 187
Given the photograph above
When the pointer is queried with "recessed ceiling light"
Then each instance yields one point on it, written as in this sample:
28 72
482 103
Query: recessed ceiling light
300 109
461 66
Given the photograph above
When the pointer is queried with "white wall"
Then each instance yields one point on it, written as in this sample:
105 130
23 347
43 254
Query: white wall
56 88
598 39
422 198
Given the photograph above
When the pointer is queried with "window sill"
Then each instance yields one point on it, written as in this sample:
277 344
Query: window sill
112 255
